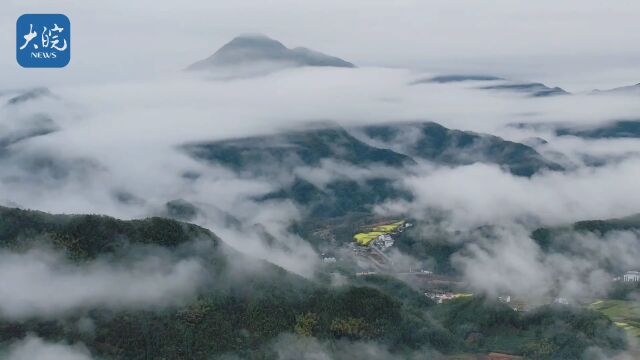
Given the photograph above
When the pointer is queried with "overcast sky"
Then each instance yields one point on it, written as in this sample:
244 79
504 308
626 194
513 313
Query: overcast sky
577 44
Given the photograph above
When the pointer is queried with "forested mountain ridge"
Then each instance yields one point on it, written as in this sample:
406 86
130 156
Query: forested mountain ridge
383 153
246 316
434 142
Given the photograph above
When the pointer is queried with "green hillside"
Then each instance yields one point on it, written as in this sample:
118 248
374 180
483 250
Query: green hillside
274 153
243 313
434 142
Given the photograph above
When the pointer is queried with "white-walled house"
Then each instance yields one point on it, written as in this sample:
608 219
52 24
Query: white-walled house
384 237
561 301
631 276
384 241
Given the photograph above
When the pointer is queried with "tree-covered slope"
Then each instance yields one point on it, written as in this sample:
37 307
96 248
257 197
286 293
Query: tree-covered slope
554 236
278 156
340 197
434 142
287 156
88 236
548 332
285 151
251 304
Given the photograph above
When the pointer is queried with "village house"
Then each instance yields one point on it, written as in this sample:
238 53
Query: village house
561 301
384 241
384 237
329 260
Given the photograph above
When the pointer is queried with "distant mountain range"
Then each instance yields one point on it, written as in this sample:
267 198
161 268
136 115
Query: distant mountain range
533 89
444 79
265 54
614 129
433 142
273 155
603 130
295 148
260 49
395 146
623 90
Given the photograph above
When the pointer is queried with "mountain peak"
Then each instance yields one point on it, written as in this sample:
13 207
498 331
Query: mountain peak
252 36
252 49
253 40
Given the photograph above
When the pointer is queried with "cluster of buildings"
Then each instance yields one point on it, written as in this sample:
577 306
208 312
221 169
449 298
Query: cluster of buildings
443 296
329 259
440 297
372 244
561 301
383 241
631 276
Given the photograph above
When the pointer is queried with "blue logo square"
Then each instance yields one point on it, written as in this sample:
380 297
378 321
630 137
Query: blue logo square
43 40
